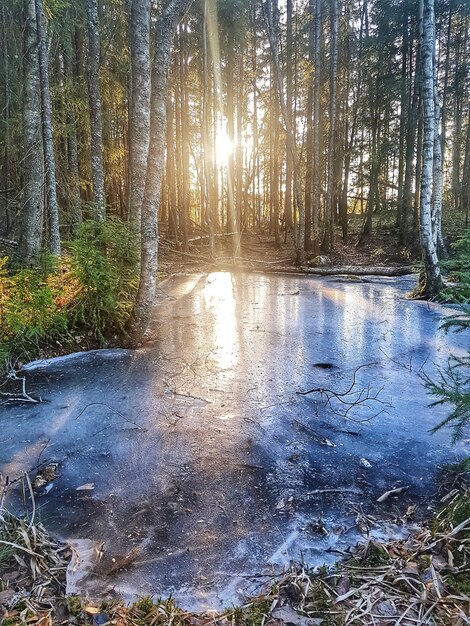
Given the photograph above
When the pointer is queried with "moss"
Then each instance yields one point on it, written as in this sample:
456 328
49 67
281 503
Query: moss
74 605
460 582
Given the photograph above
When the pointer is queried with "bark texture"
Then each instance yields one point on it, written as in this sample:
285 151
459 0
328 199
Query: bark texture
165 30
139 123
94 96
432 283
30 239
47 133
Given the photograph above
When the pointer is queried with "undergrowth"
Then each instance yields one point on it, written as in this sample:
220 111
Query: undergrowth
452 386
89 293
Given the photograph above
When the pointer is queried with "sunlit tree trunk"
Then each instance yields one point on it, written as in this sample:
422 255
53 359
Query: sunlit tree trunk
330 201
185 200
94 97
432 276
139 122
289 95
47 135
29 244
436 206
171 173
165 30
316 182
309 146
206 131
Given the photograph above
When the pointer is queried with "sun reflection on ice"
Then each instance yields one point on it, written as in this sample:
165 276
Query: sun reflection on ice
219 299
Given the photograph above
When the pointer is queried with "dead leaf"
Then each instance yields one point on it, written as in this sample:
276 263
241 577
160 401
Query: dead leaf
6 596
288 615
86 487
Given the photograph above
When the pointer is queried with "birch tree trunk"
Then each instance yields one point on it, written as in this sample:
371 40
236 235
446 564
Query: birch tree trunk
30 239
47 133
139 122
165 30
432 282
94 97
436 207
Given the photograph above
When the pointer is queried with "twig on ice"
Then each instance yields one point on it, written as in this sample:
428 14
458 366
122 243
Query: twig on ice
351 399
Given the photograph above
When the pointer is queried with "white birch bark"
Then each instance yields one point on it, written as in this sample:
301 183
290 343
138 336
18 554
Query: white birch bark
432 274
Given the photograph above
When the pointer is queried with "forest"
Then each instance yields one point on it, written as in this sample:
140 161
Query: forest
309 123
234 312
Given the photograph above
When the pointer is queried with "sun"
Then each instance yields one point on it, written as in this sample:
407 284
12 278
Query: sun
223 147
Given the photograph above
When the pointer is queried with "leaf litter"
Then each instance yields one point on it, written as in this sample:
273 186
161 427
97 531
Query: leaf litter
423 579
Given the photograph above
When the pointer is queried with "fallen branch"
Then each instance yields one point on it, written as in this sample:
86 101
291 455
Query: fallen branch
351 399
358 270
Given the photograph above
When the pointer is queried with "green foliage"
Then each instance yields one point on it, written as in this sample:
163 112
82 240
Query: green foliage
91 291
28 311
459 271
104 263
453 388
453 384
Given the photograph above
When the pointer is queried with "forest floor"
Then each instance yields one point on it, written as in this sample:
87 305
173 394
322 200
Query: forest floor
423 579
258 251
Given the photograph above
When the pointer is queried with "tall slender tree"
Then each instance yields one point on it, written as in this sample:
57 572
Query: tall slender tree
432 283
47 133
30 238
139 118
94 97
165 29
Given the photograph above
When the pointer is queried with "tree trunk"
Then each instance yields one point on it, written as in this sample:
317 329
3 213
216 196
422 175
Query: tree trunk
432 282
6 180
289 94
139 122
465 184
47 134
330 201
309 147
273 44
316 181
30 239
165 30
436 206
72 142
94 96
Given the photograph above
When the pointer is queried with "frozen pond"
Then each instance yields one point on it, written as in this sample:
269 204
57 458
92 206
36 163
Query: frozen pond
204 461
